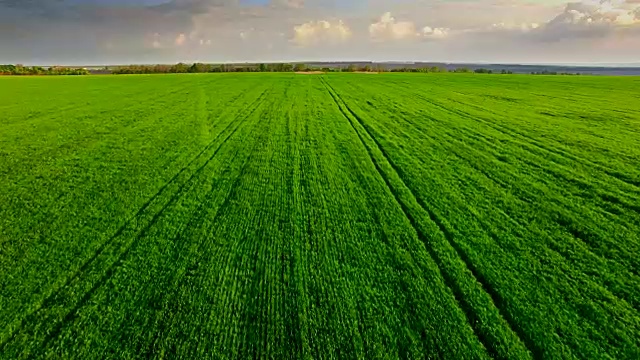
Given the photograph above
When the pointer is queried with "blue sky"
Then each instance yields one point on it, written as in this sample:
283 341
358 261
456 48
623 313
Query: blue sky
165 31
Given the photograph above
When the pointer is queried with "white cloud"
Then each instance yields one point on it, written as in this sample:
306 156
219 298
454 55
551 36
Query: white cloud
388 28
180 39
523 27
589 19
322 31
607 20
434 33
597 12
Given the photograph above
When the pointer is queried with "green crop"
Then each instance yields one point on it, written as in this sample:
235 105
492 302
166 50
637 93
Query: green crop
245 216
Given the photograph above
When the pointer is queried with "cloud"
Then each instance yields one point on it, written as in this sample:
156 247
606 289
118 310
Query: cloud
597 20
323 31
523 27
590 19
594 12
388 28
180 39
434 33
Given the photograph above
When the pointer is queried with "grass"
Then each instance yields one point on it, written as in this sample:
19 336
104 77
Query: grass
326 216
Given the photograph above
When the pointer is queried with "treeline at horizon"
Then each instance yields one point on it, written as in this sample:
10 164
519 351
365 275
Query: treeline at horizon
280 67
39 70
226 68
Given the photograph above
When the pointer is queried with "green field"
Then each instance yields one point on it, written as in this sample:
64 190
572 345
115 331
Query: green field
353 216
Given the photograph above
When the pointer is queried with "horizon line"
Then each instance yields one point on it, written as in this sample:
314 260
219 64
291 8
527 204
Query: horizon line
568 64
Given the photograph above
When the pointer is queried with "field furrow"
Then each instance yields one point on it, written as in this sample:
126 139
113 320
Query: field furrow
423 154
462 279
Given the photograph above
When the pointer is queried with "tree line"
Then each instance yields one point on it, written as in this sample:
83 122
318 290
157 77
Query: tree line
38 70
284 67
212 68
224 68
198 68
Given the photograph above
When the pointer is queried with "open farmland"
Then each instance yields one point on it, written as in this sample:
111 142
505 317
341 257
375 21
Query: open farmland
320 216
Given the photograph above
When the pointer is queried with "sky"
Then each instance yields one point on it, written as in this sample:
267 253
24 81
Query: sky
96 32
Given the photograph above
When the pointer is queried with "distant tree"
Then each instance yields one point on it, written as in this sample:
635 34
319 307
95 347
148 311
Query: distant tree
179 68
462 70
380 68
243 69
161 69
60 70
299 67
350 68
277 67
8 70
200 68
287 67
483 71
38 70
